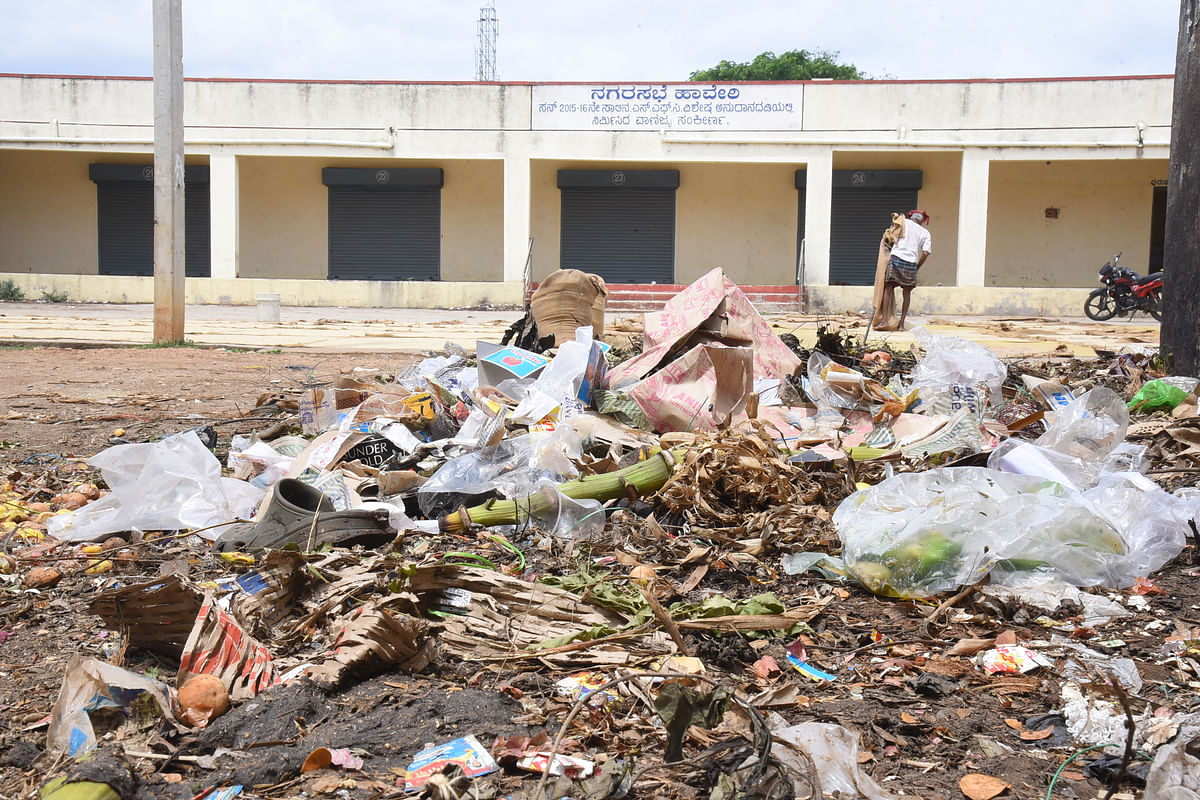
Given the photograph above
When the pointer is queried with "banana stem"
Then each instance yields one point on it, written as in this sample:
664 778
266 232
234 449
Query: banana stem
637 480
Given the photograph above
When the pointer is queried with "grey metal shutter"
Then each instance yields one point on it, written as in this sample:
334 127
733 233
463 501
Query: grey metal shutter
388 234
624 235
126 229
197 237
859 218
126 226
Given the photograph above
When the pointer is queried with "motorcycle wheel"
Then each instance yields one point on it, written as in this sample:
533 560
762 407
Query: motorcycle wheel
1100 305
1155 305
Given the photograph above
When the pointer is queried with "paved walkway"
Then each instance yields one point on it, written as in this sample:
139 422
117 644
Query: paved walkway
399 329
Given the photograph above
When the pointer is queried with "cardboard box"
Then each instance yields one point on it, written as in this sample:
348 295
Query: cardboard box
498 363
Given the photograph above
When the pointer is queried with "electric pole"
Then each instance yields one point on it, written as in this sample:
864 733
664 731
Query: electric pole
168 172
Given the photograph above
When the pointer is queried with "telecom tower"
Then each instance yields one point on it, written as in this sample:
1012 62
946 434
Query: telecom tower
485 48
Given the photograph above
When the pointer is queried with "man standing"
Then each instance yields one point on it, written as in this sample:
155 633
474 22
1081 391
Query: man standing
908 254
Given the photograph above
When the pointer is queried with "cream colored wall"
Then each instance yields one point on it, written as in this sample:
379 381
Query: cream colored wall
741 217
1103 207
938 196
738 216
545 214
48 209
284 221
473 220
47 213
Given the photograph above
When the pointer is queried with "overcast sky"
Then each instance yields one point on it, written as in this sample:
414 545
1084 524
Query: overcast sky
607 40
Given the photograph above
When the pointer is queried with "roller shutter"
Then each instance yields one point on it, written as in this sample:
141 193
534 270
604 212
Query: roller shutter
384 225
859 218
619 224
126 224
125 220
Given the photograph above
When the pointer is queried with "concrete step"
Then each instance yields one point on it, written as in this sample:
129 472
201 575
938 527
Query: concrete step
634 297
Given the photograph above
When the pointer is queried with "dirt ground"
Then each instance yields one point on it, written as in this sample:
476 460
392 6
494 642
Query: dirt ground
926 715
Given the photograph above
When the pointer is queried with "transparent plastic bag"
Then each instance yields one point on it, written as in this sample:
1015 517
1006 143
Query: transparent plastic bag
511 467
1026 458
172 484
950 361
1085 441
1090 427
918 534
831 384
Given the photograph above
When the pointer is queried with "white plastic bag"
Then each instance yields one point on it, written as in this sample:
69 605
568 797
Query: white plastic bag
918 534
171 484
1175 773
950 361
833 751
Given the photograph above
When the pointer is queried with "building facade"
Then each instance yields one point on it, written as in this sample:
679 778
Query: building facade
458 194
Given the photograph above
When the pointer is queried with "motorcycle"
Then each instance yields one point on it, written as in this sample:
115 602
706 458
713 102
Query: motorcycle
1124 292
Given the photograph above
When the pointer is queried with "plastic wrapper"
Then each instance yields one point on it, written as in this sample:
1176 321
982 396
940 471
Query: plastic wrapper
950 361
92 685
511 467
918 534
831 384
171 484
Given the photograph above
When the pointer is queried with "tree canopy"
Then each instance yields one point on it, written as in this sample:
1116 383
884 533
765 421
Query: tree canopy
794 65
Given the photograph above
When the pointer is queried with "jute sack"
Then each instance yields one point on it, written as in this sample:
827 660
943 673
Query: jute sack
568 299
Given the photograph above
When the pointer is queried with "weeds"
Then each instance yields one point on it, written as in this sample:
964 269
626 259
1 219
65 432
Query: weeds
10 292
54 297
158 345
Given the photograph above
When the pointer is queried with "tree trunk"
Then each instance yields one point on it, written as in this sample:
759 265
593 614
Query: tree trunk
1180 334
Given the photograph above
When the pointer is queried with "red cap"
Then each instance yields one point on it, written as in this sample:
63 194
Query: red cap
918 216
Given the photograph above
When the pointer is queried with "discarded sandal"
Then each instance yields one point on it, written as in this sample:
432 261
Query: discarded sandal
301 515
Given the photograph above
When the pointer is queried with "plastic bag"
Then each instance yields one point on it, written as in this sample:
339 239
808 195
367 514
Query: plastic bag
171 484
511 467
1090 427
833 751
1162 393
918 534
1175 773
950 361
831 384
90 685
1085 441
558 384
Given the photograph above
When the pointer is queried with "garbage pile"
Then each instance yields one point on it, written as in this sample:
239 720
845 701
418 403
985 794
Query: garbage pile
575 573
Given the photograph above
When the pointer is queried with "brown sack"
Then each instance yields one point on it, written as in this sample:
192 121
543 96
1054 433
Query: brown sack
568 299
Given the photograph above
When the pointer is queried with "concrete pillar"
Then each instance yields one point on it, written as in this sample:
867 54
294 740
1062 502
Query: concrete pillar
223 214
168 172
516 215
818 207
972 219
